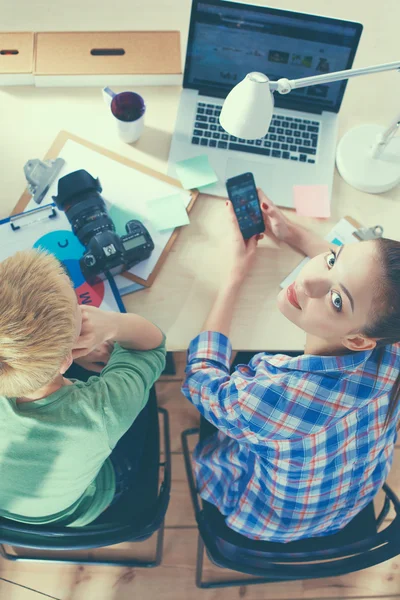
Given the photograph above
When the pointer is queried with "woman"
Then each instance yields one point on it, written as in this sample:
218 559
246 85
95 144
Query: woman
304 443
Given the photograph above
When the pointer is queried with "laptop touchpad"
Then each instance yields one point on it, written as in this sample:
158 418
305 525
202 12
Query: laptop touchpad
278 188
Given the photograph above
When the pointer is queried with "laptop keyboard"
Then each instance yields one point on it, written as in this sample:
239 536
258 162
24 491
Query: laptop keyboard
288 138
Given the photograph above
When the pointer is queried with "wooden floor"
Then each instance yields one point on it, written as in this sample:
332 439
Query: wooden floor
174 580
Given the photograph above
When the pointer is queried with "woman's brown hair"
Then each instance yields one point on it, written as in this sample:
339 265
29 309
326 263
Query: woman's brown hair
385 328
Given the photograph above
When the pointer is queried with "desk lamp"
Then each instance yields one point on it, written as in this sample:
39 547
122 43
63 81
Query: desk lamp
364 157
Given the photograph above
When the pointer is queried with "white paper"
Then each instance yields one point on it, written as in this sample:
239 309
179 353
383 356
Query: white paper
127 286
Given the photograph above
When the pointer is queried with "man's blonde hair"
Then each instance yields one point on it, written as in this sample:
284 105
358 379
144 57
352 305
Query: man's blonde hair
37 322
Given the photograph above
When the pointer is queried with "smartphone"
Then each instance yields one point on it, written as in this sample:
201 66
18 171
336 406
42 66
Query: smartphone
242 193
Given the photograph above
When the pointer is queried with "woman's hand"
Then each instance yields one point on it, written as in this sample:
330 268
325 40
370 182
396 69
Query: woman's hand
277 226
280 229
241 253
97 359
97 327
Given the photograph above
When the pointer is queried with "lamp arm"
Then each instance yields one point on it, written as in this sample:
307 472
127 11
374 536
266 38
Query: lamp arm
384 138
284 86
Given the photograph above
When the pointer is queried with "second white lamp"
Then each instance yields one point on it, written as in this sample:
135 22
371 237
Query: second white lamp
364 158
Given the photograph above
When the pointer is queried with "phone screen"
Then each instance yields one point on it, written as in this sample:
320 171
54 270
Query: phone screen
242 193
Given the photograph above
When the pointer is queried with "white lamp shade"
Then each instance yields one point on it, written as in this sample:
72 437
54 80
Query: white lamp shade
247 110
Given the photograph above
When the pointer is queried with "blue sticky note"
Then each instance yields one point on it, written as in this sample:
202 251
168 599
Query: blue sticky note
120 216
168 212
195 172
337 242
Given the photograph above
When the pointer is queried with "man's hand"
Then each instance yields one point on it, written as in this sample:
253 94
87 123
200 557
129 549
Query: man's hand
97 327
97 359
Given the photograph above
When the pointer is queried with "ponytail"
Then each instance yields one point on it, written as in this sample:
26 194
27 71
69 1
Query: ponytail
385 328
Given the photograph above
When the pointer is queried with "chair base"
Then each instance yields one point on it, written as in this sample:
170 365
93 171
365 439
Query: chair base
147 564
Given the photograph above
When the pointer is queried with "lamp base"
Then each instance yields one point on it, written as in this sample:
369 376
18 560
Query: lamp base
356 165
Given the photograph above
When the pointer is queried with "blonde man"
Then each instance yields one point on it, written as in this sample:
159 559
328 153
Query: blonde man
56 435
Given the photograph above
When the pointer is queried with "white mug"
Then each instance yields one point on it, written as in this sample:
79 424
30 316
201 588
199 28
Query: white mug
127 109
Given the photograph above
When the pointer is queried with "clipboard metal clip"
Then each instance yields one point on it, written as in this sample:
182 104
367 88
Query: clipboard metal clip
369 233
40 175
33 216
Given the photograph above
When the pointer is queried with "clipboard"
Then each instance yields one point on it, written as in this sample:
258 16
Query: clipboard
353 222
54 151
40 228
342 232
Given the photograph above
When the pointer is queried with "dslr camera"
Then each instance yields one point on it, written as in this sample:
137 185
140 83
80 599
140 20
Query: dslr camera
106 252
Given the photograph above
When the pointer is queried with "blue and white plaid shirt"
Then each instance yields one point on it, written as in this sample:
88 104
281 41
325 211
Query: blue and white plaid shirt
301 447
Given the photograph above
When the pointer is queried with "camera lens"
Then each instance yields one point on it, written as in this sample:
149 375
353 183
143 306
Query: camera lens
79 196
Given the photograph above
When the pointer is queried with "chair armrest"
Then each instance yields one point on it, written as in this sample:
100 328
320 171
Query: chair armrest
391 496
166 482
189 471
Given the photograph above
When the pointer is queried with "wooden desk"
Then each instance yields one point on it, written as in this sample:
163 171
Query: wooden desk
180 299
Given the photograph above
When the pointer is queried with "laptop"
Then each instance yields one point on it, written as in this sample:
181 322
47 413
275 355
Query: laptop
226 41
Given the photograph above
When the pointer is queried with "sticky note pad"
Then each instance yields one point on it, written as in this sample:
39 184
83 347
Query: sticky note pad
195 172
312 200
167 212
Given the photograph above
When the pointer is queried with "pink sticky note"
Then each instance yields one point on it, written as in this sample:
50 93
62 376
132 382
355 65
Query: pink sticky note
312 200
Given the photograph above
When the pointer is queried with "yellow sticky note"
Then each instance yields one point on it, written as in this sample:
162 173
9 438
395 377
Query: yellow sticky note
312 200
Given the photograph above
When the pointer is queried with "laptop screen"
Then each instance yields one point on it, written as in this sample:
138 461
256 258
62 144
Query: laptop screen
227 40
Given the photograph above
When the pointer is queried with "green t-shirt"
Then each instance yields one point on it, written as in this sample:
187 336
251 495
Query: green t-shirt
54 465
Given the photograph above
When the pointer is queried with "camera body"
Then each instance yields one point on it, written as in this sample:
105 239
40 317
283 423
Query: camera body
106 252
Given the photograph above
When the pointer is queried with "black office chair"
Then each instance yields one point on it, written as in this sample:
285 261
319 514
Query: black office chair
357 546
134 517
